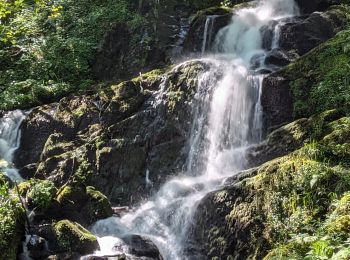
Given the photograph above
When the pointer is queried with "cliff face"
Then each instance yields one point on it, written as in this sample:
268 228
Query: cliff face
116 143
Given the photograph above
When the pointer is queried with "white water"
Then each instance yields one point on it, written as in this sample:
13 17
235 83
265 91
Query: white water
9 142
227 120
208 32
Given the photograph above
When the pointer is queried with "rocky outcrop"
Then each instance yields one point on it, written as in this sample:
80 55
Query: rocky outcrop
280 100
265 206
125 50
115 139
72 237
291 137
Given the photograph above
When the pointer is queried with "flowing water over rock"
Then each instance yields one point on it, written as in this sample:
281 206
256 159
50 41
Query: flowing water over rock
9 142
227 120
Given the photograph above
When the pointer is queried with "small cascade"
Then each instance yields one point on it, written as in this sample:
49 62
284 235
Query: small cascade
208 32
10 136
227 120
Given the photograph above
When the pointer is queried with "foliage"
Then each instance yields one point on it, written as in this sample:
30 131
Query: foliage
309 198
42 193
47 46
11 222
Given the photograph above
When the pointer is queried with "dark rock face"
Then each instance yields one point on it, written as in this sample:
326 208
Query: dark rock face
40 123
276 100
279 58
302 35
113 140
225 227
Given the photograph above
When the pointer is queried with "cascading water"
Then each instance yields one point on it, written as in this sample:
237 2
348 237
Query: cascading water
227 120
9 142
208 32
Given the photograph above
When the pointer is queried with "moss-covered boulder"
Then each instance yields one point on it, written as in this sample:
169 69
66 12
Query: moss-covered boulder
72 237
293 136
82 204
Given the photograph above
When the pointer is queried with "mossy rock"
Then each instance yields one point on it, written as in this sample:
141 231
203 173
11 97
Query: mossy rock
287 207
82 204
72 237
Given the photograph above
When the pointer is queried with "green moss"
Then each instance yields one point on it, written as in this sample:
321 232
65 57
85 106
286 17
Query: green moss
99 205
307 219
72 237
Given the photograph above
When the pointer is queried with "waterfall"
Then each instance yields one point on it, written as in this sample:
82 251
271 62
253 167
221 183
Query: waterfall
10 136
208 32
227 119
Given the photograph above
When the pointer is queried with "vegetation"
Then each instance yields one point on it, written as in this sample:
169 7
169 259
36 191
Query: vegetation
11 221
47 46
42 193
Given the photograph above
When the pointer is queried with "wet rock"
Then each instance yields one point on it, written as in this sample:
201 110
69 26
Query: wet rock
239 221
290 137
124 50
40 120
65 256
84 205
142 247
279 58
276 100
28 171
119 211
